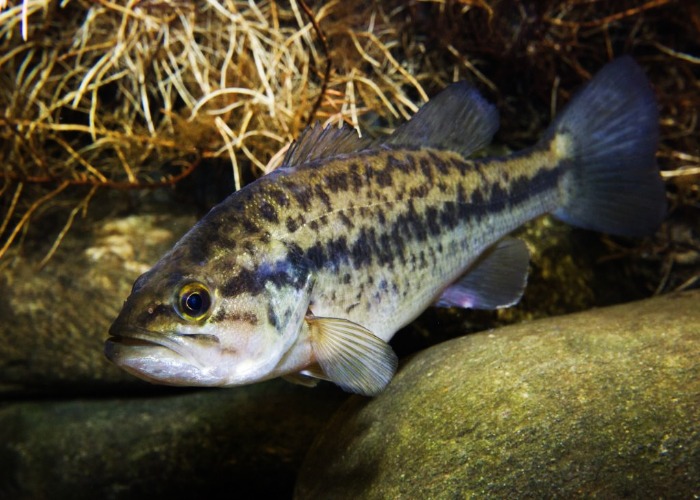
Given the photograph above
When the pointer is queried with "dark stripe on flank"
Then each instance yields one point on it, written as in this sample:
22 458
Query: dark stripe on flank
386 245
520 189
523 187
286 272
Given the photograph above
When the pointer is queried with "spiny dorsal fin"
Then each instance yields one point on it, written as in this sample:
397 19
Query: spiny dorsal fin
317 142
351 356
497 279
457 119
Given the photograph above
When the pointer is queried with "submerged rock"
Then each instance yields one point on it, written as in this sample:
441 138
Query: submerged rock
55 321
224 443
604 403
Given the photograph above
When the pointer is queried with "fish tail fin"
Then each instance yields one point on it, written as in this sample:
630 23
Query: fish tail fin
607 138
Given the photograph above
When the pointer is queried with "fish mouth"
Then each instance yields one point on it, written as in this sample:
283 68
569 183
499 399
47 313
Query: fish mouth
174 340
166 358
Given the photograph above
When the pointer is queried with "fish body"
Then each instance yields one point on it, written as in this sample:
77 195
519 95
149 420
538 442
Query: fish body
309 271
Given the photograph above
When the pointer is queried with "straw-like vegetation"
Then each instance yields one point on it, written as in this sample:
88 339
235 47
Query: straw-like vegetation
134 95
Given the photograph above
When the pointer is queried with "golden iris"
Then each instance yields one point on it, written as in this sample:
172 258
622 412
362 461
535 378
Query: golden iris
194 301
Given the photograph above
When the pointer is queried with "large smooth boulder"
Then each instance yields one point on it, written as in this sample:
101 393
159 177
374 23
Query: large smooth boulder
604 403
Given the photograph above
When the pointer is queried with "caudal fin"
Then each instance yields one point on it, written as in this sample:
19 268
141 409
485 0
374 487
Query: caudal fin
609 134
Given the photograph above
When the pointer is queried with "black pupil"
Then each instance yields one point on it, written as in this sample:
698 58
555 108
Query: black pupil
194 302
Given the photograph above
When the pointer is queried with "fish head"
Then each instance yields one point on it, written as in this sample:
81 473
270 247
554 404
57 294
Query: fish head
227 321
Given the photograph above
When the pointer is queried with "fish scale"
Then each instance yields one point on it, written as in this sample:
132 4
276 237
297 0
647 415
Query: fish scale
308 272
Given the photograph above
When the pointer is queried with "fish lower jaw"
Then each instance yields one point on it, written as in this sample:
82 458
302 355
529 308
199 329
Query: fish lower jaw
159 364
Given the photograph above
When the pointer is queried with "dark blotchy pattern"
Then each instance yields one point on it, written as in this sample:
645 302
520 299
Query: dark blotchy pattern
364 214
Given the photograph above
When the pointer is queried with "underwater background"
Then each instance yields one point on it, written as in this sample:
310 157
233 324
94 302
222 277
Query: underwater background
122 124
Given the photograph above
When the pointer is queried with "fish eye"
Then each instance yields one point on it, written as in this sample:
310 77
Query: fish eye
194 301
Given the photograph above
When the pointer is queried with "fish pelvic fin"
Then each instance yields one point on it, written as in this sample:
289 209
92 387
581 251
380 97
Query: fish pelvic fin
497 279
301 379
606 139
351 356
308 377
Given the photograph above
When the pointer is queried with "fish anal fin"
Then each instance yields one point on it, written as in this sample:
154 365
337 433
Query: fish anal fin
497 279
457 119
317 142
351 356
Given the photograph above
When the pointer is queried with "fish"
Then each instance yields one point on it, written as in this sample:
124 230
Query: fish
308 272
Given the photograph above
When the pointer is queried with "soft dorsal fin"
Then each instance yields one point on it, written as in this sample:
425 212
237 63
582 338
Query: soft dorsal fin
497 279
317 142
457 119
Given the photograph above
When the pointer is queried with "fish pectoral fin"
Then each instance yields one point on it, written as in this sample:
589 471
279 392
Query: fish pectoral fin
351 356
497 279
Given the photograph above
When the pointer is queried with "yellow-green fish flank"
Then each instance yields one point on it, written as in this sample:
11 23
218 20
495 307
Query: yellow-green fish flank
309 271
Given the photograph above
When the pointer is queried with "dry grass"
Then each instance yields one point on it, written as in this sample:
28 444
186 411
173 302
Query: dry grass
138 94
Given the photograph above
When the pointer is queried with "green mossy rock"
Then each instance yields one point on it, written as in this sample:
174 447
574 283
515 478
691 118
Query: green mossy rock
602 403
227 443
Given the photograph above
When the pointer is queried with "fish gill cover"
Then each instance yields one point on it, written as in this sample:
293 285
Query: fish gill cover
102 97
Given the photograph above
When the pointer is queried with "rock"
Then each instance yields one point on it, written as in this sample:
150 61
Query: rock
602 403
219 443
55 321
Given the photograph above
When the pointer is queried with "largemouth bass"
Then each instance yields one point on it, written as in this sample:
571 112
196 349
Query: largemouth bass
307 272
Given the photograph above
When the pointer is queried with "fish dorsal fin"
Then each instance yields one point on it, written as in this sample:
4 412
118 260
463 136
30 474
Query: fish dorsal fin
457 119
497 279
317 142
351 356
